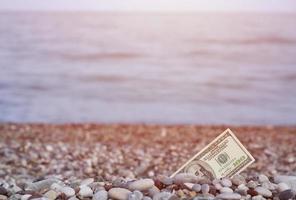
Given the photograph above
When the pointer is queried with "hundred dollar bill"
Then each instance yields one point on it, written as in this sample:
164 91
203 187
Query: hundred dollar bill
225 156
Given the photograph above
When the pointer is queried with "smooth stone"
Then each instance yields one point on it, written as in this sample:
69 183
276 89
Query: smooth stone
119 193
142 184
26 197
185 178
238 180
283 186
242 189
226 182
204 197
101 195
189 185
262 178
289 180
41 185
270 186
252 184
153 191
196 187
3 197
56 187
3 191
136 195
68 191
218 186
258 197
286 195
229 196
15 197
87 181
226 190
51 194
85 191
165 180
263 191
162 196
205 188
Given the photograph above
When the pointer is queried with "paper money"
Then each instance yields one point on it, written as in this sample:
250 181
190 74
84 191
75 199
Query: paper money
225 156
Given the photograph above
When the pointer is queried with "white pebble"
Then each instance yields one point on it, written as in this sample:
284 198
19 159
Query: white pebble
119 193
226 190
185 178
263 191
196 187
283 186
85 191
205 188
142 184
87 181
68 191
226 182
100 195
233 196
262 178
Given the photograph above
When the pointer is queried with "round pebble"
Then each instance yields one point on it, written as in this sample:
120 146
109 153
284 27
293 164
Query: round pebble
136 195
185 178
228 196
238 180
119 193
51 194
263 191
87 181
162 196
262 178
165 180
283 186
196 187
205 188
68 191
226 182
226 190
85 191
142 184
101 195
3 197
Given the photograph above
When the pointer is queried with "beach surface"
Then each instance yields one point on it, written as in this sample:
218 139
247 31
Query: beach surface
29 151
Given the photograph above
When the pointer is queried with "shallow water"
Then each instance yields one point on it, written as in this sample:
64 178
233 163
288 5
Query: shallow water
151 68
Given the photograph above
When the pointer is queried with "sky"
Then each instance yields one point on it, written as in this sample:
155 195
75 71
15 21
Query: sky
152 5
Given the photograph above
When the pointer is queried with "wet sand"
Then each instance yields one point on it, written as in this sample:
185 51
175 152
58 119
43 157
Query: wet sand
28 151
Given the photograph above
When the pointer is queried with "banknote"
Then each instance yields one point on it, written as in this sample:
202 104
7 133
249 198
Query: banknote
225 156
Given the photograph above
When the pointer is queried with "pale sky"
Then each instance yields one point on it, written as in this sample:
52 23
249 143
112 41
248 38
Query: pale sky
152 5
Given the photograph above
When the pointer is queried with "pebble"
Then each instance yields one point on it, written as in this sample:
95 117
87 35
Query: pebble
68 191
141 185
238 180
87 181
252 184
258 197
26 197
3 197
51 194
205 188
146 198
3 191
136 195
119 193
185 178
196 187
153 191
165 180
41 185
263 191
162 196
283 186
228 196
242 189
226 190
100 195
226 182
286 195
262 178
85 191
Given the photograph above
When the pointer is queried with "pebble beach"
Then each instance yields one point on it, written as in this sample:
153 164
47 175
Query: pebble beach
134 162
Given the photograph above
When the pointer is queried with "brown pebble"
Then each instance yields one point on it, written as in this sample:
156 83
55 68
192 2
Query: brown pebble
252 192
107 187
159 184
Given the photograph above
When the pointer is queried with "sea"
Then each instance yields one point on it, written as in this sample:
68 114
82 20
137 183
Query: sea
148 67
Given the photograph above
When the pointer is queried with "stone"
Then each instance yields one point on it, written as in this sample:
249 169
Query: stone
119 193
242 189
153 191
51 195
226 182
101 195
141 185
238 180
68 191
196 187
85 191
262 178
286 195
136 195
263 191
56 187
162 196
283 186
73 198
3 197
185 178
226 190
87 181
205 188
229 196
289 180
258 197
41 185
146 198
189 185
165 180
252 184
26 197
218 186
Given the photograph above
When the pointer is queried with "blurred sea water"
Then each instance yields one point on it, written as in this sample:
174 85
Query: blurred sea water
202 68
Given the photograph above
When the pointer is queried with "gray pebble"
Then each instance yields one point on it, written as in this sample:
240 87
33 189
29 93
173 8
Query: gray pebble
226 190
262 178
87 181
283 186
196 187
119 193
100 195
285 195
68 191
258 197
185 178
252 184
162 196
153 191
85 191
263 191
136 195
238 179
229 196
146 198
165 180
226 182
205 188
142 184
